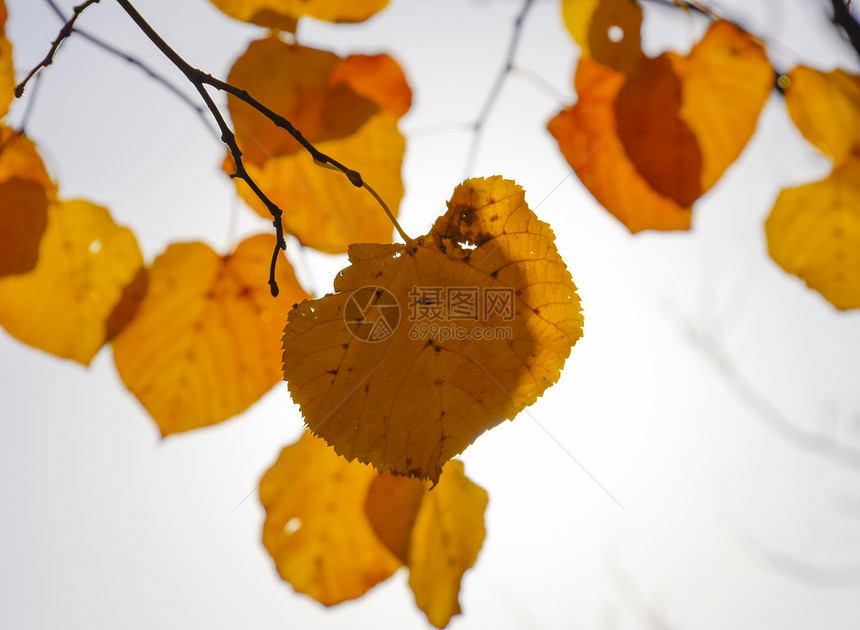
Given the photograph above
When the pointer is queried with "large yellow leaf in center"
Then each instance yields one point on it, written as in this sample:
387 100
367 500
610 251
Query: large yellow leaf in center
425 346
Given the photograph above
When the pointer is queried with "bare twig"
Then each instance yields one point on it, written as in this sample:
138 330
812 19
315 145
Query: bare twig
135 62
818 443
200 80
478 126
845 575
842 17
49 58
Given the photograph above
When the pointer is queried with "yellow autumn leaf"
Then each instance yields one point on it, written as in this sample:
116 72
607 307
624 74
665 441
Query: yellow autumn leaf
437 532
345 115
7 70
606 31
85 261
813 232
825 107
203 345
20 159
23 217
283 14
315 528
384 381
446 538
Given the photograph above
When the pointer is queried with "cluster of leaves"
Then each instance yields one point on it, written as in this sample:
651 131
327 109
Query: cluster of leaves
649 136
197 337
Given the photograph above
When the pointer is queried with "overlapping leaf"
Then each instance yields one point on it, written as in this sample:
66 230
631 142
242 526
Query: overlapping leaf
813 230
648 144
23 217
446 539
348 108
407 397
85 261
25 192
825 107
204 344
606 31
283 14
337 528
20 159
316 529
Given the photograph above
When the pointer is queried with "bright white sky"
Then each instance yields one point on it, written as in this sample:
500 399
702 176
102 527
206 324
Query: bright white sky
106 526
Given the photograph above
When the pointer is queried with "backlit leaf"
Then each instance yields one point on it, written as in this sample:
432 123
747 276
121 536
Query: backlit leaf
392 506
203 345
384 381
446 539
345 113
377 77
85 261
606 30
20 159
23 217
316 529
813 232
686 119
587 137
825 107
283 14
679 121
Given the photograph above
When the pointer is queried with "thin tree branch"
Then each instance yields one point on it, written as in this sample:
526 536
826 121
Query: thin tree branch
200 80
842 17
49 58
818 443
137 63
495 90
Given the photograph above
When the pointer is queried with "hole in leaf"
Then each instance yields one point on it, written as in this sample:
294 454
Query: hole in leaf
615 34
293 525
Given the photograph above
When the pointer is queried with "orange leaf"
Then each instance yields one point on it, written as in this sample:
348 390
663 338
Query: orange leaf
377 77
20 159
587 137
606 30
203 346
680 122
685 120
283 14
825 107
657 140
813 232
326 98
392 506
408 397
62 306
315 527
446 539
23 217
